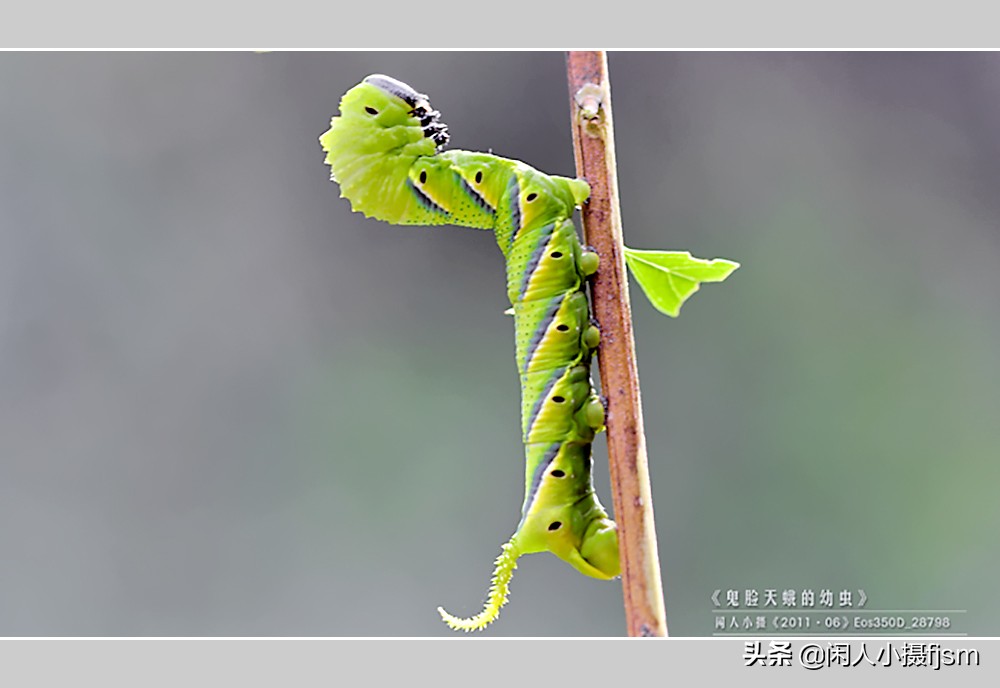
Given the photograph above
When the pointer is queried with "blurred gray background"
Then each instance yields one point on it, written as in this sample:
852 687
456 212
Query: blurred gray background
229 406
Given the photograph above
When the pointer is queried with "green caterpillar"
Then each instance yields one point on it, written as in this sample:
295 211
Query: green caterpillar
385 152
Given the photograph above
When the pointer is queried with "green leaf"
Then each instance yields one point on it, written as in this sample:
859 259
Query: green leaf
669 277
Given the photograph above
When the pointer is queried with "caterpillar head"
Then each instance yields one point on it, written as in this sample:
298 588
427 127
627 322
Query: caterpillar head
383 127
391 94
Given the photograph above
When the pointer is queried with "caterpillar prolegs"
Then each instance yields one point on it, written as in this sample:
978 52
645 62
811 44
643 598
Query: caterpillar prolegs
385 152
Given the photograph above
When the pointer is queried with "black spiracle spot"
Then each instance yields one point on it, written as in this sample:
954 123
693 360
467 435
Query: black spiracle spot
370 110
423 176
558 399
479 177
558 473
556 254
562 328
530 197
555 525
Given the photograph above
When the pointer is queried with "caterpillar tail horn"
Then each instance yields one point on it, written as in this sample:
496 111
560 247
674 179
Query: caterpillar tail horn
499 591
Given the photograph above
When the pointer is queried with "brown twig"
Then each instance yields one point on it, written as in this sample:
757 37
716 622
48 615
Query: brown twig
594 146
